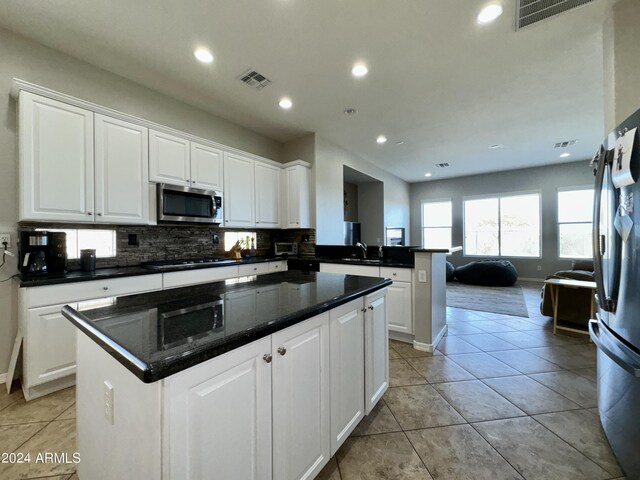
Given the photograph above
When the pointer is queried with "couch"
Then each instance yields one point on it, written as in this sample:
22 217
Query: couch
574 304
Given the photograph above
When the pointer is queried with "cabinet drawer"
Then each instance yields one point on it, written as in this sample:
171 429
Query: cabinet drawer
397 274
279 266
79 291
203 275
253 269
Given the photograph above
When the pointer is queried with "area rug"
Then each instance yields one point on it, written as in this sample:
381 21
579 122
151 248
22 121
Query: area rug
505 300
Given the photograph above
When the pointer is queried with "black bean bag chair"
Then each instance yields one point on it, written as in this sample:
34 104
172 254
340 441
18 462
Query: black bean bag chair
490 273
450 270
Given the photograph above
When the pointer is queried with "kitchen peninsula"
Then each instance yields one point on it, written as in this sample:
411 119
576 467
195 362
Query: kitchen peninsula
253 378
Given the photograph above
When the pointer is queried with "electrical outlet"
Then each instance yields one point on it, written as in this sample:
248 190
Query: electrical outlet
108 402
539 268
5 237
215 239
422 276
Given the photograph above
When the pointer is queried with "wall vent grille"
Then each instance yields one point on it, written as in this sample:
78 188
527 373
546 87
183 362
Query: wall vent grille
442 165
534 11
254 79
566 144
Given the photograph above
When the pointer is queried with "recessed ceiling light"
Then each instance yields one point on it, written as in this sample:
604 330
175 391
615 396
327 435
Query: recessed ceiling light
381 139
203 55
489 13
565 155
495 146
359 70
285 103
428 174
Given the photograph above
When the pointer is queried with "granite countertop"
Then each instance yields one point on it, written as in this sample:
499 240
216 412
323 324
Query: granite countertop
158 334
114 272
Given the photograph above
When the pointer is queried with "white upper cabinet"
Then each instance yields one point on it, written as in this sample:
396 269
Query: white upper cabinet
169 159
296 206
56 160
239 191
122 175
267 178
206 167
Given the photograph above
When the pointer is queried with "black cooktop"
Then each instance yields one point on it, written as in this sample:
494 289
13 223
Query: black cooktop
185 263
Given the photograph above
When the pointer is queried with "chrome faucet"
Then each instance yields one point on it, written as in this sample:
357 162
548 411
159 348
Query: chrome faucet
363 247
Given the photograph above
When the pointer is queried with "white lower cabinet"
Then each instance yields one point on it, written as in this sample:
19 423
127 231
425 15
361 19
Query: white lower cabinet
347 370
376 349
400 307
301 445
218 418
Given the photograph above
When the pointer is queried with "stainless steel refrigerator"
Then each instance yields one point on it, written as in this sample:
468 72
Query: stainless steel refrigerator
616 332
352 233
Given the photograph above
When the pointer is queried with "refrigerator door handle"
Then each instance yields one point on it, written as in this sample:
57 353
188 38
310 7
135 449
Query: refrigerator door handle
598 238
615 349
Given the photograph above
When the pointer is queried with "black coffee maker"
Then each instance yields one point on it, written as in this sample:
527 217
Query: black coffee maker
42 253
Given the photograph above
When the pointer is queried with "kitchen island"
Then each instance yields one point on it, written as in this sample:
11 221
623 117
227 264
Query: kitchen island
253 378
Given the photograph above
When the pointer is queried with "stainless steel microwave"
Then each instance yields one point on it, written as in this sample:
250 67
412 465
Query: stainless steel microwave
186 204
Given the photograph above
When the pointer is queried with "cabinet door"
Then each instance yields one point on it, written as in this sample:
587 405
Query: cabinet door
122 171
56 160
376 345
238 191
400 307
347 370
206 167
267 195
219 418
168 159
49 346
296 203
301 443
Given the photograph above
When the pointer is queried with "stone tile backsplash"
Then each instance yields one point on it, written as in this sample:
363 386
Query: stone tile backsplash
167 242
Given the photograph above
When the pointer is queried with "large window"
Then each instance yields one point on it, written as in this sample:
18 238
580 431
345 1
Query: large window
575 215
436 224
507 226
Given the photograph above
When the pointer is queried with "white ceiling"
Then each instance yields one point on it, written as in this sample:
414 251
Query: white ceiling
439 82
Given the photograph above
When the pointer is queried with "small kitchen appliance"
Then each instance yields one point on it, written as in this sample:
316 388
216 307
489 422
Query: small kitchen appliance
282 249
42 252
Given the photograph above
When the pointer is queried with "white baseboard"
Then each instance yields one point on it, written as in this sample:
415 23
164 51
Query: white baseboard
430 347
3 377
541 280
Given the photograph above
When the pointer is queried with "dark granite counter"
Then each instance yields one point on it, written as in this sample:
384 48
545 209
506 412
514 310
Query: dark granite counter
114 272
158 334
367 262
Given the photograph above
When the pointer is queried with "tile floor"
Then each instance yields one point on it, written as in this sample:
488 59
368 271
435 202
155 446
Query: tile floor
501 398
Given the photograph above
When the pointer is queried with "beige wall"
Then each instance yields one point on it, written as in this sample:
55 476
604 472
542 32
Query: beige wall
37 64
622 62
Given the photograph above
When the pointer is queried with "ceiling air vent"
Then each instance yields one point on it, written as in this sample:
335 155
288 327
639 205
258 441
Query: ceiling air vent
442 165
534 11
254 79
566 144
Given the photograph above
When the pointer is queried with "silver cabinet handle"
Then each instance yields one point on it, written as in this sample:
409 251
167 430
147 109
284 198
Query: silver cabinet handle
395 274
89 213
363 309
105 288
99 214
370 307
282 351
267 357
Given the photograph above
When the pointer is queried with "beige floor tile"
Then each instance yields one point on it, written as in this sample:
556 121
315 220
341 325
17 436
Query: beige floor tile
529 395
68 414
330 471
581 429
576 388
522 339
571 357
386 456
41 409
462 328
393 355
588 373
536 452
451 345
487 342
420 406
57 437
12 436
439 369
401 374
380 420
459 452
525 362
483 365
489 326
476 402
